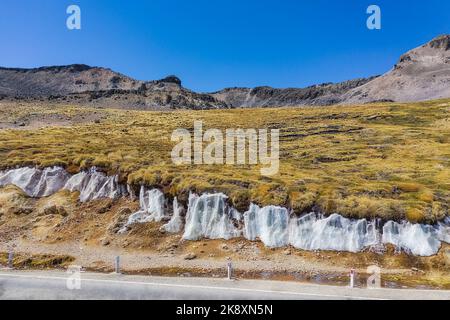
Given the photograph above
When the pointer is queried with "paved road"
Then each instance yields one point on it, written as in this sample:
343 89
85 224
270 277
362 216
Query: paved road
54 285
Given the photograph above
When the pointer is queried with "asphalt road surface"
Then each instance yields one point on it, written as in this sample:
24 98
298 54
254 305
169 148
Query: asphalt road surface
51 285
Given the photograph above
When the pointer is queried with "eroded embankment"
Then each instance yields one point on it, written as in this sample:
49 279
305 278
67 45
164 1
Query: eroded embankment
210 216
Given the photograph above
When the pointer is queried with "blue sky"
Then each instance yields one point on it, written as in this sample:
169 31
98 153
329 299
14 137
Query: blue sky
211 44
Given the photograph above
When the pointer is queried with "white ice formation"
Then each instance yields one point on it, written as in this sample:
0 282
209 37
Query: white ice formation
210 216
315 232
94 185
38 183
175 225
418 239
269 224
152 207
35 182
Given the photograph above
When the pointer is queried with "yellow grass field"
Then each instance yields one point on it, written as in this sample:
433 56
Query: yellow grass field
381 160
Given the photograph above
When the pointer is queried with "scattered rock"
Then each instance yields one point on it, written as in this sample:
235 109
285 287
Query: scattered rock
106 207
54 210
120 220
22 211
287 252
416 270
224 247
190 256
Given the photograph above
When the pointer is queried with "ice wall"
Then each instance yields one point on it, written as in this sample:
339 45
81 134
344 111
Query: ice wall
269 224
417 239
152 207
443 229
36 182
94 185
314 232
209 216
175 225
274 227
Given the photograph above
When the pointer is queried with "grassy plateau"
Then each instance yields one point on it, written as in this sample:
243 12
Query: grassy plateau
385 160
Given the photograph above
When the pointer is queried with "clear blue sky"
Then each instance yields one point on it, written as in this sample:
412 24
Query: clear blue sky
211 44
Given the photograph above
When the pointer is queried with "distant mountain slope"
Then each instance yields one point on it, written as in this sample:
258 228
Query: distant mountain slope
61 80
421 74
323 94
101 87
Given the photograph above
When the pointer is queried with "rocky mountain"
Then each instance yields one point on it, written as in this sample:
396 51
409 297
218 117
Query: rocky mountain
61 80
421 74
322 94
82 84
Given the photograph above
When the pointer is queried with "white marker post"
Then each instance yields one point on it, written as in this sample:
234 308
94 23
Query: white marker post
230 270
352 278
10 259
117 265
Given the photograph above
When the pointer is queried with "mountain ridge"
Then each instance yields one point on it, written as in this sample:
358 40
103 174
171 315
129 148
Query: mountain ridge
422 73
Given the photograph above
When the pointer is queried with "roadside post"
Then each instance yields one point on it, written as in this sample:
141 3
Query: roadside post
10 259
352 278
230 270
117 265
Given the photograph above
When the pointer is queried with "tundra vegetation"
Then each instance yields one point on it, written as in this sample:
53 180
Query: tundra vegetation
386 160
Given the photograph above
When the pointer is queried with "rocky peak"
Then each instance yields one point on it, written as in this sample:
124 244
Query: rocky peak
171 79
441 42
